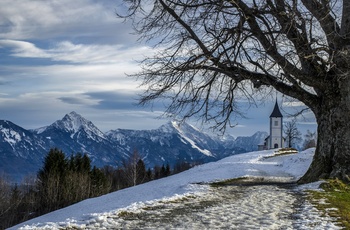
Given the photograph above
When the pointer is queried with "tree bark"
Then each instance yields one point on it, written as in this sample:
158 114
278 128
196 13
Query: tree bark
332 156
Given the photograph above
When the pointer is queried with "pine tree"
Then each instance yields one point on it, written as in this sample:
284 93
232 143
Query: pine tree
50 180
99 183
141 172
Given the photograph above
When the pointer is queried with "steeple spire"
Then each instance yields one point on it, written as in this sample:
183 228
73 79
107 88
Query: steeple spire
276 111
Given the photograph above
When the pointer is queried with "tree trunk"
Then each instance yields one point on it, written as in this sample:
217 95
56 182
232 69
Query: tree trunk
332 156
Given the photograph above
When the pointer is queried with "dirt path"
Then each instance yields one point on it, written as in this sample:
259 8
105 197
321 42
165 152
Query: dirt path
226 207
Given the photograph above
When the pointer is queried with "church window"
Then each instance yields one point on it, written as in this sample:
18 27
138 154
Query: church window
276 123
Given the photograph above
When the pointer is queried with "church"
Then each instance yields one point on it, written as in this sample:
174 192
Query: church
275 139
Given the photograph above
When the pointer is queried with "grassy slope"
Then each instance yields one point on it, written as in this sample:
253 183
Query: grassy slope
334 200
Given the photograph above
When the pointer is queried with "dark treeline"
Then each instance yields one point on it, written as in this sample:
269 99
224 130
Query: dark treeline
63 181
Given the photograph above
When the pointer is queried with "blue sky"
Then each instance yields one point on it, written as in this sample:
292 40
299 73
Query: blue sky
58 56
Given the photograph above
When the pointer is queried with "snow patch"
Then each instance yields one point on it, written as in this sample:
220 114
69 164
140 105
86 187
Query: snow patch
268 207
40 130
11 136
192 143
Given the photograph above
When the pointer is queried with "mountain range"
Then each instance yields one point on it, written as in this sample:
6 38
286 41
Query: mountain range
22 151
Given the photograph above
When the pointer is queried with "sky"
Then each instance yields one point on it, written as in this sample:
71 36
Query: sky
58 56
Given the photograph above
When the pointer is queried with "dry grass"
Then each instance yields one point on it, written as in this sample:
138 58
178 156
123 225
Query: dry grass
286 151
283 151
228 182
334 201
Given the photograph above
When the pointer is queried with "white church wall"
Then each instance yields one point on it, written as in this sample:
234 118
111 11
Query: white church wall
275 139
276 136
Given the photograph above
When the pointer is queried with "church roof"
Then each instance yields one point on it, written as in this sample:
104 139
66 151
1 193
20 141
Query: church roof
276 111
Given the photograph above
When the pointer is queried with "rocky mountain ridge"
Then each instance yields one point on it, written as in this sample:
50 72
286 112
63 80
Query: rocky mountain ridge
22 151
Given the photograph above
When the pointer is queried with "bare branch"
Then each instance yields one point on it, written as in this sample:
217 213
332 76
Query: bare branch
211 50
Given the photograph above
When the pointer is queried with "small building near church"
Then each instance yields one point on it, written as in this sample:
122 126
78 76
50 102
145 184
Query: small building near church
275 139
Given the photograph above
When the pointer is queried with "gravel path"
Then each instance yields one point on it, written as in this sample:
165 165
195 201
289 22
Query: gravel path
227 207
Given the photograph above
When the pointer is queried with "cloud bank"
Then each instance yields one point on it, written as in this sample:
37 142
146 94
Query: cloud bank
59 56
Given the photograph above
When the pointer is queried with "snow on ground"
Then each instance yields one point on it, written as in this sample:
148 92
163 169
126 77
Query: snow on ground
186 186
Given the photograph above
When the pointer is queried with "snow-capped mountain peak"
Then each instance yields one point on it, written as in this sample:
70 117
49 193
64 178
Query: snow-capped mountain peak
75 126
169 127
191 135
178 126
71 122
74 122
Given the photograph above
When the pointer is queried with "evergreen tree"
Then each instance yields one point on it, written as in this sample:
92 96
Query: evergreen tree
50 181
64 181
77 181
141 172
99 183
149 175
167 170
157 172
162 171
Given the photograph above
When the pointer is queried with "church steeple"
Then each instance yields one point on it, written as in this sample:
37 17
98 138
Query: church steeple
276 111
276 139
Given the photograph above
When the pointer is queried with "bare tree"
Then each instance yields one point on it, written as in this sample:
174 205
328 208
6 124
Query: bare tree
5 194
310 139
292 133
134 169
213 52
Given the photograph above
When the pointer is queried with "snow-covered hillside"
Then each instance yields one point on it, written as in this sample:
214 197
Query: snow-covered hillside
102 212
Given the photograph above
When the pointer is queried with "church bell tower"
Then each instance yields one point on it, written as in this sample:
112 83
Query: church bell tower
276 139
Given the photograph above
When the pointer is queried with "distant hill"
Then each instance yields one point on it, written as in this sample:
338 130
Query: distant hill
22 151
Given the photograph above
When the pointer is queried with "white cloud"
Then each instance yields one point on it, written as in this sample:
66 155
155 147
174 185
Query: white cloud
90 67
34 110
47 19
47 99
23 49
68 78
66 51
